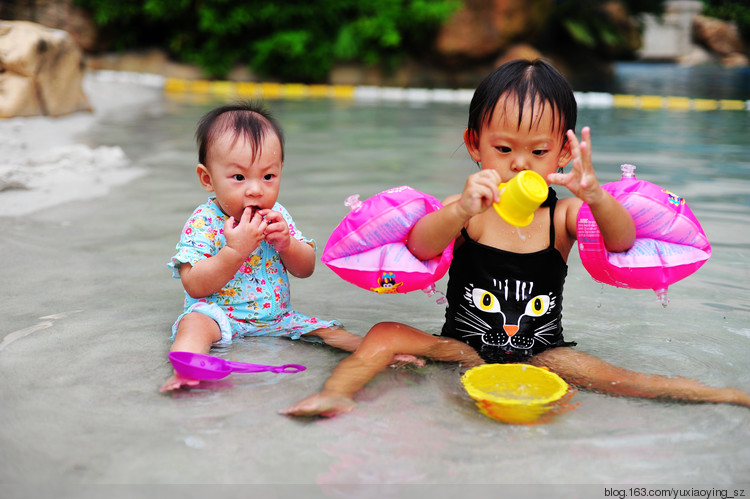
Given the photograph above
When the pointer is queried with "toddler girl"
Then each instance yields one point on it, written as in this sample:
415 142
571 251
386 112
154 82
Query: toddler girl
504 290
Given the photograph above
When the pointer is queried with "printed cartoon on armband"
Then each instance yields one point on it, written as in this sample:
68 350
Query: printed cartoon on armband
368 247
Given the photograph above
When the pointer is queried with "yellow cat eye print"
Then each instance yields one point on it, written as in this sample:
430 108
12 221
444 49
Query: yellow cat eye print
485 301
537 306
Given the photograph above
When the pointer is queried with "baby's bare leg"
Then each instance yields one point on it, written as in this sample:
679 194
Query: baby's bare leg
376 353
338 338
589 372
195 333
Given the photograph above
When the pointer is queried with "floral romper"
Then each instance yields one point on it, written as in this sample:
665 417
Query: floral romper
256 301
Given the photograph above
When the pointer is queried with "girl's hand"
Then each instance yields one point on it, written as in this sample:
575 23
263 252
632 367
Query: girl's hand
479 193
614 221
581 181
277 230
245 236
436 230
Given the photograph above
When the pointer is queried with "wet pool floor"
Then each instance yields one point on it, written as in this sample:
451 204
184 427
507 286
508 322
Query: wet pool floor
88 304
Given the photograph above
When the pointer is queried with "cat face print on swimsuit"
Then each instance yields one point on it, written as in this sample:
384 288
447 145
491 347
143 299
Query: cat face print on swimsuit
509 314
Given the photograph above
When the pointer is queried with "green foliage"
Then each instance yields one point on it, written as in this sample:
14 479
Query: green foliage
584 23
292 40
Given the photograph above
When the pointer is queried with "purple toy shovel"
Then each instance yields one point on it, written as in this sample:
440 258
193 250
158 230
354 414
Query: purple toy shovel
205 367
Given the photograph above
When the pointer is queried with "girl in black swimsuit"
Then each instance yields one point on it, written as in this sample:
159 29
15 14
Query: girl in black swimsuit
504 291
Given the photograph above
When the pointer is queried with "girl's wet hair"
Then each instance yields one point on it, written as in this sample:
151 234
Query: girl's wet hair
536 82
247 119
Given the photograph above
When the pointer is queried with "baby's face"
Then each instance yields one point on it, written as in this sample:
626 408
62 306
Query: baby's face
509 148
240 182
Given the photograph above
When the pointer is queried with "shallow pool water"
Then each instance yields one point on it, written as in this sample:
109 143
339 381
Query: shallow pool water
88 304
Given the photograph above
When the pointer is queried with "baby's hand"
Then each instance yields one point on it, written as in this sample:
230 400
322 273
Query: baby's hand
581 181
277 230
479 192
246 235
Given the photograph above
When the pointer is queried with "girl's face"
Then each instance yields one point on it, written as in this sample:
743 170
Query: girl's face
237 180
509 148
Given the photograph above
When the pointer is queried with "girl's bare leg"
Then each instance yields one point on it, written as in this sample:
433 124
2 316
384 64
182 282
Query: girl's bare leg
195 333
376 353
344 340
589 372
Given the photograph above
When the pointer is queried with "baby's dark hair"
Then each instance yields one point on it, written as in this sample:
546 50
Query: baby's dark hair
247 119
536 81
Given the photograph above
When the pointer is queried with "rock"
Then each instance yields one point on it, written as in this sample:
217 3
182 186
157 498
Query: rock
520 51
735 59
717 35
697 56
59 14
41 71
721 38
482 29
618 17
153 61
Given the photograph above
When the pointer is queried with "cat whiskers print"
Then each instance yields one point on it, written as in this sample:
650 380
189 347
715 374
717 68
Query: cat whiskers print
482 314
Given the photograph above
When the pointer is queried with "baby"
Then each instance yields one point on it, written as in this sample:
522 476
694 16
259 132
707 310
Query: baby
236 249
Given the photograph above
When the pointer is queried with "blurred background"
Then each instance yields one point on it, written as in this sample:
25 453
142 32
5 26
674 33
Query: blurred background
412 43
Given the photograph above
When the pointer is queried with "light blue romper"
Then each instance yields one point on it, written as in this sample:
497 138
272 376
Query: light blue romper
256 301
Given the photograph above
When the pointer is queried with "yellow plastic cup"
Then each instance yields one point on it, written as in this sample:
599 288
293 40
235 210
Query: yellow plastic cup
513 393
520 197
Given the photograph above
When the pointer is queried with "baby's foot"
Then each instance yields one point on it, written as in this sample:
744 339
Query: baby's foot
176 382
404 359
321 404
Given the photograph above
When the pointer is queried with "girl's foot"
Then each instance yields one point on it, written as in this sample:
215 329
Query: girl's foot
734 396
326 404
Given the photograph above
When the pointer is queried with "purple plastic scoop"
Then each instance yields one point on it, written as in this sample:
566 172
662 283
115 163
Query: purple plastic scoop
205 367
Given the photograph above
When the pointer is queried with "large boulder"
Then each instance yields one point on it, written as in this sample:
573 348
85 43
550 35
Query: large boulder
59 14
482 29
41 71
721 38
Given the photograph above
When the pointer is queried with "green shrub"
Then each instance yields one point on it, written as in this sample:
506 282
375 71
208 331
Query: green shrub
294 40
586 24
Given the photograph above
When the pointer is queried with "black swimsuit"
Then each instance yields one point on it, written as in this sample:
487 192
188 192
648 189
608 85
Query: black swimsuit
507 306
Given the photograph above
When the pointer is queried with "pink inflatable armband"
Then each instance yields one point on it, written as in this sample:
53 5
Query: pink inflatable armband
670 243
368 248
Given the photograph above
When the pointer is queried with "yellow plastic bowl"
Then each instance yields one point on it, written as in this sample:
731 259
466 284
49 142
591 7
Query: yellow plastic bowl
513 393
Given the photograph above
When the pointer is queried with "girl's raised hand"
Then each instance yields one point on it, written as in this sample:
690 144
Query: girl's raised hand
581 181
245 235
